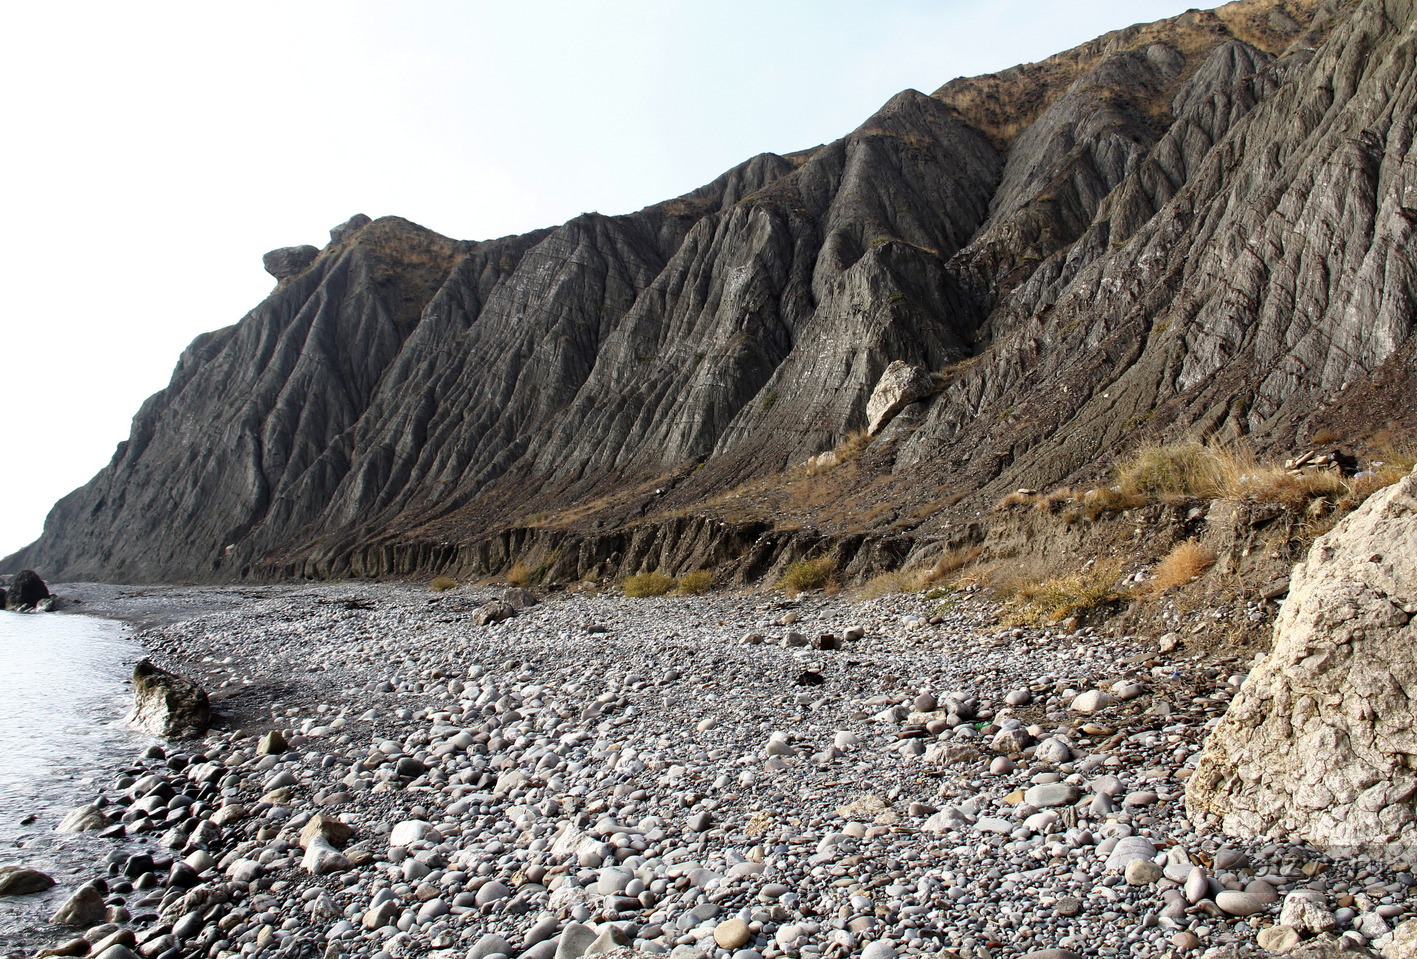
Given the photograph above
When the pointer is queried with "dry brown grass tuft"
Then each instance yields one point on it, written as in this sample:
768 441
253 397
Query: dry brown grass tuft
851 447
1272 484
847 451
883 584
696 583
442 583
1188 469
809 574
1016 498
643 585
519 575
1172 473
1186 561
951 563
1031 602
1109 499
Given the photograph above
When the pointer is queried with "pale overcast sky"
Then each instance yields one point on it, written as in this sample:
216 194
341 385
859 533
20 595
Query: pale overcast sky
153 152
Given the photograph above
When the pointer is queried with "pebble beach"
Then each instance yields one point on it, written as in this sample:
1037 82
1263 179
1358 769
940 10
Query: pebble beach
729 776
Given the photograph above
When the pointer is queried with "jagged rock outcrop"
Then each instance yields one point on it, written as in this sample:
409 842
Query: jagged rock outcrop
1318 744
290 261
26 591
346 230
1191 227
166 704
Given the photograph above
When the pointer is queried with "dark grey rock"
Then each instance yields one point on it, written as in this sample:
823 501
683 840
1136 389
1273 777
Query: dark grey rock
409 768
289 261
347 229
26 590
22 881
166 704
494 612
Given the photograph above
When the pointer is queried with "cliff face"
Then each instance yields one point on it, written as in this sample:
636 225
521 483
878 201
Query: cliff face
1196 226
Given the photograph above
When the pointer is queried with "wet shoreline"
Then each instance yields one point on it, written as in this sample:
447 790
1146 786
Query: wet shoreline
63 684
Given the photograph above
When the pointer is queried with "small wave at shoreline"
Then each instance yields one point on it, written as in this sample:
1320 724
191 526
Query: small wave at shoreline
63 696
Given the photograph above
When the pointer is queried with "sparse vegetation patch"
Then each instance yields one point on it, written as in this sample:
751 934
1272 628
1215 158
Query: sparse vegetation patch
951 563
696 583
643 585
1187 560
519 575
884 584
1189 469
809 574
1031 602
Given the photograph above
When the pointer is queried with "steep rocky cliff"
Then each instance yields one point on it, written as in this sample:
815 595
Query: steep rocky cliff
1195 227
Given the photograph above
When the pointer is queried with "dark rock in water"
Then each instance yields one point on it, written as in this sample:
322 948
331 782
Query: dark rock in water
83 819
26 590
183 876
348 228
2 597
289 260
21 881
117 951
84 908
166 704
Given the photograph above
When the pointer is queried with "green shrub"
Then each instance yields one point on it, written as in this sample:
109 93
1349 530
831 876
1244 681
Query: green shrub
697 583
648 584
809 574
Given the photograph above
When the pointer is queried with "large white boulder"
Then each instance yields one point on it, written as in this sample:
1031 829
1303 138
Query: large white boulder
1319 743
900 385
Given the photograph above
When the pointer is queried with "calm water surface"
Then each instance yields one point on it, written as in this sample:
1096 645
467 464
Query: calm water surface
63 696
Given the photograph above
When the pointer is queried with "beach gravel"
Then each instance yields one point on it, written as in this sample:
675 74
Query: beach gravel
607 776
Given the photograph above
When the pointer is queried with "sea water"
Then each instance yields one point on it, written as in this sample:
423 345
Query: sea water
64 691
